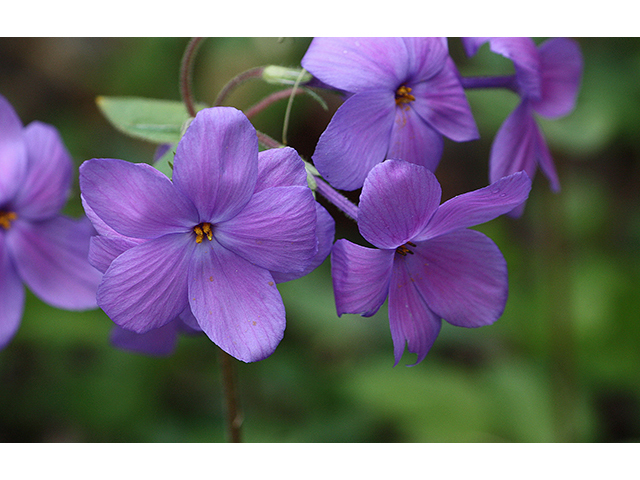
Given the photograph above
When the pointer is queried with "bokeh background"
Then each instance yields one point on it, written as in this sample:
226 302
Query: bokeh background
561 365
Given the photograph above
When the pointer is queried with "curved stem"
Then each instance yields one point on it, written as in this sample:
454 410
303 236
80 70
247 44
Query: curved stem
345 205
186 73
271 99
507 81
234 415
235 81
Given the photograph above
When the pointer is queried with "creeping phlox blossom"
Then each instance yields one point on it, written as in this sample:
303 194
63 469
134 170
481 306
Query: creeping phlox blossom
547 79
405 95
429 264
202 247
38 246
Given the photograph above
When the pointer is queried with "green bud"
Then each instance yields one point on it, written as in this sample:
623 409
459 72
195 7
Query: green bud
277 75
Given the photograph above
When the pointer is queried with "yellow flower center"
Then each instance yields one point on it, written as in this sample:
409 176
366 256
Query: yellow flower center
201 230
403 95
6 218
404 249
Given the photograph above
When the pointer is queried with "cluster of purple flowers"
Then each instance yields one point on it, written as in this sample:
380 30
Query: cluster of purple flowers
204 250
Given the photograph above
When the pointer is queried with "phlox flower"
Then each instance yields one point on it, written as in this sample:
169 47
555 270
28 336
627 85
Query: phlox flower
547 79
38 246
206 242
427 262
404 94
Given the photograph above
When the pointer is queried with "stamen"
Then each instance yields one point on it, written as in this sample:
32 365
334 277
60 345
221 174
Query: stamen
404 250
201 230
6 218
403 95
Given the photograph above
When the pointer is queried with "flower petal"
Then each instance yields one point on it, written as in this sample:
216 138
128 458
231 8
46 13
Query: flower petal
280 167
442 103
104 250
426 56
51 258
135 199
479 206
325 231
11 295
276 230
360 276
526 62
146 286
462 276
216 163
48 179
357 64
397 200
356 139
561 66
236 303
158 342
13 152
415 141
410 319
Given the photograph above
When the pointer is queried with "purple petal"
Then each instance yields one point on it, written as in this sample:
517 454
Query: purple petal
103 250
426 56
471 45
11 294
526 61
51 258
545 161
442 103
410 319
157 342
13 152
325 231
48 180
146 286
280 167
414 140
358 64
236 303
397 201
276 230
561 66
216 163
462 276
135 199
360 276
479 206
356 139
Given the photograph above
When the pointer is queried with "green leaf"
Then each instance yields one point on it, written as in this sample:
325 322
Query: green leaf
154 120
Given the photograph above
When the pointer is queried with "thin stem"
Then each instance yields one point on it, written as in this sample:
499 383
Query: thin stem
271 99
235 81
287 113
186 74
267 141
345 205
507 81
234 415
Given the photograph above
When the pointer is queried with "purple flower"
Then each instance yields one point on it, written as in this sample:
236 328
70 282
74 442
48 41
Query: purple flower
206 241
547 79
405 95
39 247
429 264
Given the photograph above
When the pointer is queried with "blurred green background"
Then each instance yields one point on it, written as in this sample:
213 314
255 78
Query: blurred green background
561 365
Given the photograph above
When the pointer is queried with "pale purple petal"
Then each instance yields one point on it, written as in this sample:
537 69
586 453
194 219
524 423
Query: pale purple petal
236 303
358 64
442 103
325 231
146 286
52 259
13 152
275 230
471 45
426 56
545 161
462 276
414 140
561 66
526 62
11 294
360 276
280 167
397 201
103 250
158 342
478 206
411 321
47 182
135 199
216 163
356 139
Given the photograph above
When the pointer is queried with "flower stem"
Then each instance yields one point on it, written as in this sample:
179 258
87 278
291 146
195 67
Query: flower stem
235 81
186 74
340 201
234 415
271 99
507 81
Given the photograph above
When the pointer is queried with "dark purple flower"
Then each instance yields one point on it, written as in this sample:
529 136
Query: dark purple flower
39 247
547 80
405 95
207 240
429 264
